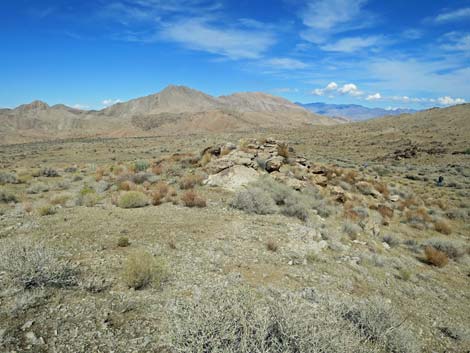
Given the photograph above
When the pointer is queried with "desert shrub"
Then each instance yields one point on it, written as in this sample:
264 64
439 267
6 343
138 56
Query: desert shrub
457 213
156 198
295 206
452 248
46 210
382 188
142 269
271 245
37 188
126 185
385 211
30 265
323 208
143 177
60 199
123 242
132 199
241 320
49 172
8 178
377 323
351 229
350 177
191 199
6 196
442 226
391 240
254 200
62 185
418 218
283 150
157 169
435 257
373 259
141 165
162 188
404 274
190 181
362 212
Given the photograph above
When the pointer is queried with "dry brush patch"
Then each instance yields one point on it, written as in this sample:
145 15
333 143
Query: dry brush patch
141 269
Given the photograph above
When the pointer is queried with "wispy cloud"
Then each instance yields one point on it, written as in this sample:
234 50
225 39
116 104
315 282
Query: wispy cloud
323 18
352 44
456 41
374 97
286 63
455 15
233 43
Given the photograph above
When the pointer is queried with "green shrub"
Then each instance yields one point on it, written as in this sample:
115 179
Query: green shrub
37 188
454 249
132 199
123 242
141 165
351 229
8 178
142 269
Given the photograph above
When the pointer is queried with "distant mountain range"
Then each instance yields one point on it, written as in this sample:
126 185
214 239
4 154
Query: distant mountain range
352 112
175 110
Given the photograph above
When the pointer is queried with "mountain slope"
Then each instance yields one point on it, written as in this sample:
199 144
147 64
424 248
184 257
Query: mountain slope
352 111
175 110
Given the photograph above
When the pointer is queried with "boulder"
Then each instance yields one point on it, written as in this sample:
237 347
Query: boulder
233 178
274 164
216 165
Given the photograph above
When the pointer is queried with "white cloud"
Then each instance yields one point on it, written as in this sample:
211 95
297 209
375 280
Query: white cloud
350 89
108 102
450 101
352 44
286 63
347 89
456 41
456 15
328 14
197 34
374 97
80 106
331 86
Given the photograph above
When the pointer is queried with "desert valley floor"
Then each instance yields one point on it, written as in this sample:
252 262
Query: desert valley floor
339 237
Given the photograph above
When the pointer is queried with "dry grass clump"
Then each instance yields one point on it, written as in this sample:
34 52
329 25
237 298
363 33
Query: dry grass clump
6 196
192 199
418 218
385 211
190 181
30 265
350 177
132 199
157 169
435 257
442 226
46 210
283 150
142 269
391 240
382 188
240 320
60 199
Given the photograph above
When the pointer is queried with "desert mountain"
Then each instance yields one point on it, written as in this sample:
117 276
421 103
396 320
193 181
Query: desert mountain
175 110
352 112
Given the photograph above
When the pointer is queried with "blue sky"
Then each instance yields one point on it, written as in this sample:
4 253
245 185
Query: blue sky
89 54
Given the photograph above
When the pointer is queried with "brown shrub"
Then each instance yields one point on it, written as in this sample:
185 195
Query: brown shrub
382 188
28 207
190 181
162 188
271 245
99 174
435 257
385 211
157 169
126 185
407 203
350 177
192 199
156 198
442 226
283 150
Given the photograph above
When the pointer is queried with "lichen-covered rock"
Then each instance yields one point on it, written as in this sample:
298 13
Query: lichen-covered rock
274 164
233 178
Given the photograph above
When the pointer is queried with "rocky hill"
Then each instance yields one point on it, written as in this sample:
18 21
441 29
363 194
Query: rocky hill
175 110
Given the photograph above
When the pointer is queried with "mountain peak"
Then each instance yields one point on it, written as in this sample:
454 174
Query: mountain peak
35 105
